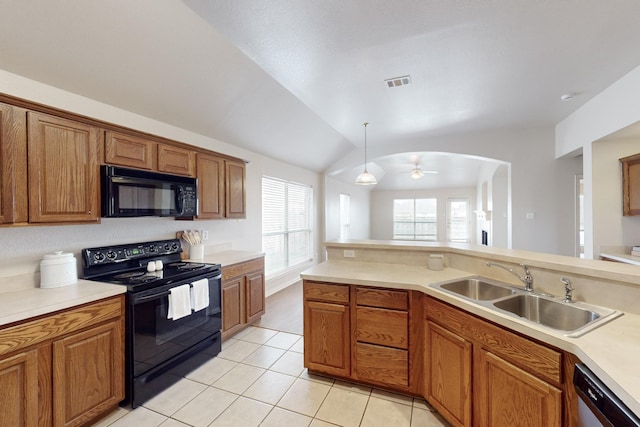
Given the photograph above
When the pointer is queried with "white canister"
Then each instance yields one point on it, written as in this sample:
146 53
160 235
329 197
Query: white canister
196 252
58 269
436 262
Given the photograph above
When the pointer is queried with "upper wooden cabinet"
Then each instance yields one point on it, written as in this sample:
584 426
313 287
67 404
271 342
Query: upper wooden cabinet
176 160
235 189
211 187
221 187
63 164
13 165
631 185
127 150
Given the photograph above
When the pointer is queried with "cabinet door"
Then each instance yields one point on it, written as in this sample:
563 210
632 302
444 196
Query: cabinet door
13 165
508 396
631 185
235 189
19 390
448 374
210 186
232 315
64 159
88 374
327 343
127 150
176 160
255 301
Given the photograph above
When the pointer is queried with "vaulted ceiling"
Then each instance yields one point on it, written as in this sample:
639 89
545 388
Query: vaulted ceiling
295 80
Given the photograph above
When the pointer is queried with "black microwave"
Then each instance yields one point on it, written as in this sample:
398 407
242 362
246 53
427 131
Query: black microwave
131 193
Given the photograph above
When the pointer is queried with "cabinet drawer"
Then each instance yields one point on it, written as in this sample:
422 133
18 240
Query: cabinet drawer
382 326
383 298
522 352
55 325
382 365
241 269
326 292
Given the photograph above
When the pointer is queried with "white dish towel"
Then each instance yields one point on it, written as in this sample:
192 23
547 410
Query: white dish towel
179 302
200 294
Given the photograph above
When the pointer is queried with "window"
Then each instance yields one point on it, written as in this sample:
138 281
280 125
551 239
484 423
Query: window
415 219
286 224
345 216
458 222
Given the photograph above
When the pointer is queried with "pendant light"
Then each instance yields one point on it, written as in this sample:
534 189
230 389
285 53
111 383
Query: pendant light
365 178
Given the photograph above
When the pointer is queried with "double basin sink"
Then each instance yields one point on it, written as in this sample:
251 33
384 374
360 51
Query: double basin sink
569 318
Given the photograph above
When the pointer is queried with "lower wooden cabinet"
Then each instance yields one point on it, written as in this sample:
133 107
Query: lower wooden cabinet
448 359
64 369
19 389
509 396
327 338
87 374
479 374
243 295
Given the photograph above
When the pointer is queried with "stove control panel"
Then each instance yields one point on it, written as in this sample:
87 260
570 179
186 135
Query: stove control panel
120 253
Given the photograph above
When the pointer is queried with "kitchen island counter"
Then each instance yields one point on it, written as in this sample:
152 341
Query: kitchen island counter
610 350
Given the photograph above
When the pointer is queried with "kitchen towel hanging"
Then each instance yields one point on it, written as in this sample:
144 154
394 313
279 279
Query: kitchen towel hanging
200 294
179 302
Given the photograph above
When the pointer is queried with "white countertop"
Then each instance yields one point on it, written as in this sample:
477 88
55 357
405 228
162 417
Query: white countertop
611 351
21 304
226 258
621 257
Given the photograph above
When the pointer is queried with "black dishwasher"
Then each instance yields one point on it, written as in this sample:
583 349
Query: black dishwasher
597 405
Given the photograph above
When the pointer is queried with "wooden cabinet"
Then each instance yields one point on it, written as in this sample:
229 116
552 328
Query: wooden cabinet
64 369
211 186
19 389
508 395
13 165
63 167
514 381
176 160
381 350
128 150
235 189
448 359
87 372
631 185
243 297
327 331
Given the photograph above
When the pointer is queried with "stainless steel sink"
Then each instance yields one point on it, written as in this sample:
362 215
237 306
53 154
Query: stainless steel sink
570 319
562 316
477 289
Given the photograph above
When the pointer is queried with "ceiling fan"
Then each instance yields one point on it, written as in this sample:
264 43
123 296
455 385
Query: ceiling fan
417 172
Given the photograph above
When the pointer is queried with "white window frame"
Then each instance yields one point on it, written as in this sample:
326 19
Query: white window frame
450 219
414 221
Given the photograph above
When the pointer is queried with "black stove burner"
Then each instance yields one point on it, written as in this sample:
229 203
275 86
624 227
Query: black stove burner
129 275
186 265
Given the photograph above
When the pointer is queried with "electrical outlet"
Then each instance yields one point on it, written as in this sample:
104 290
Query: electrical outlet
205 235
348 253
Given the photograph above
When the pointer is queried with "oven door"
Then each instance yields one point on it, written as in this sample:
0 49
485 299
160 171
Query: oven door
155 339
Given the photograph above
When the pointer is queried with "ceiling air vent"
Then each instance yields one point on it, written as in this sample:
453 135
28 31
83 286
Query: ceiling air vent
398 81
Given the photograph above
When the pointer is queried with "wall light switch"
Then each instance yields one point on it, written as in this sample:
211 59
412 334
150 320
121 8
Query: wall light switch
348 253
530 215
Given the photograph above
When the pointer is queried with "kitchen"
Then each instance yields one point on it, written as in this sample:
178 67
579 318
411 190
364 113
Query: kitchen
26 245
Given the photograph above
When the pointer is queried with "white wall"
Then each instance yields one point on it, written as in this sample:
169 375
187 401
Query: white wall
540 184
359 209
382 209
23 247
613 229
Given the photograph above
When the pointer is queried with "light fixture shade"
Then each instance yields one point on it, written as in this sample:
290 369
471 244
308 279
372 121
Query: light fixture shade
365 178
417 173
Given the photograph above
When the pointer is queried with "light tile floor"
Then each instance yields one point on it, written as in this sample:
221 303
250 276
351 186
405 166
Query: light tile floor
259 380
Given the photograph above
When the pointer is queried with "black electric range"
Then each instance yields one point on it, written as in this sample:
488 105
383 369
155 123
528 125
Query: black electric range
159 348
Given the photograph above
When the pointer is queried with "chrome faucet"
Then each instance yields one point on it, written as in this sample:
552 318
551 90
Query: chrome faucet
527 279
568 288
